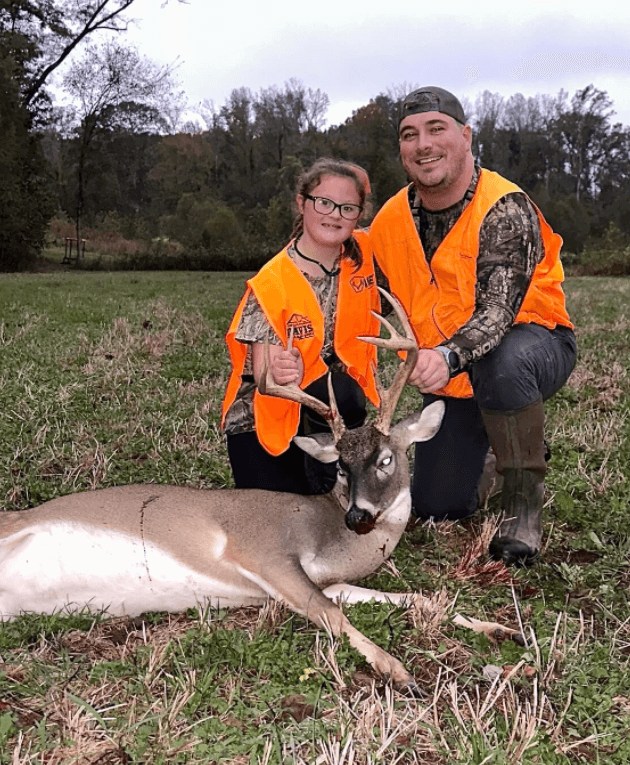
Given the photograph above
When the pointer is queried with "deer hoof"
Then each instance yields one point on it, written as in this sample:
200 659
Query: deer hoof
500 634
407 686
411 688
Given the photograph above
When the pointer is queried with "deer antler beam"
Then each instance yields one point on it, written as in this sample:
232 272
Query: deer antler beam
292 392
396 342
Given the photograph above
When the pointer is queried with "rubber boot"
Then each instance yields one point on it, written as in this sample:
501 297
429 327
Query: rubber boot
517 440
491 483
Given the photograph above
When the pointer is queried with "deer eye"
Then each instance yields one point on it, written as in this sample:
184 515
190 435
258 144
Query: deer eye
385 462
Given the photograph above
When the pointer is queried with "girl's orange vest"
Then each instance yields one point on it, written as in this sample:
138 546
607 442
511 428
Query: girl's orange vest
288 302
440 297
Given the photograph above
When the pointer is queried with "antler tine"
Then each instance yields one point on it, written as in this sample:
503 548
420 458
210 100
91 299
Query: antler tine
336 421
397 342
292 392
408 340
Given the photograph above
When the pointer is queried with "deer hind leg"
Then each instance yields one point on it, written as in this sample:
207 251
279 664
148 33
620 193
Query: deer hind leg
350 593
492 630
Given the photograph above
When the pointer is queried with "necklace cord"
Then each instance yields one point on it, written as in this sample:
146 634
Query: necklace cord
328 272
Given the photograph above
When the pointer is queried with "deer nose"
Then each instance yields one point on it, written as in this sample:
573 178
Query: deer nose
358 520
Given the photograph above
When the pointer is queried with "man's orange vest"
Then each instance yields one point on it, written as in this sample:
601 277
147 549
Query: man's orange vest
288 302
440 298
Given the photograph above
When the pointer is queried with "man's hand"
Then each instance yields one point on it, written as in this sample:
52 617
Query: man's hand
431 371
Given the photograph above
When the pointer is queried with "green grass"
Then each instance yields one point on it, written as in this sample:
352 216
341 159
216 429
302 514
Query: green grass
109 378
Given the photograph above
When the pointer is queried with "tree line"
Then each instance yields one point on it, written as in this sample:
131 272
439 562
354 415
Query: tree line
109 149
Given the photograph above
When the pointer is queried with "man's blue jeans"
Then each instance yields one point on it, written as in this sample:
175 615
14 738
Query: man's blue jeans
530 362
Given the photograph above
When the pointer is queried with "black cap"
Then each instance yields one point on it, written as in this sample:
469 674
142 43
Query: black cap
432 99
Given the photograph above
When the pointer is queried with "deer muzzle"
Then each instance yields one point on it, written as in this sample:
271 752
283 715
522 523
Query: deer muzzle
358 520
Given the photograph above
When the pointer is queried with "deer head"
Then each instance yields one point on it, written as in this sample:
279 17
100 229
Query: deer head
373 475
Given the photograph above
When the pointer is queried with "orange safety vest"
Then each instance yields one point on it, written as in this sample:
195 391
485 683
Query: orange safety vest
288 302
440 297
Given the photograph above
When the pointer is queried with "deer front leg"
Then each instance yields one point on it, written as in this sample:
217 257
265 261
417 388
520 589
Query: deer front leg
293 587
325 613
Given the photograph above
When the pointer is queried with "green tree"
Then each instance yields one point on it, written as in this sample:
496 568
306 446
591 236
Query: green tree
36 38
613 181
185 164
370 138
25 202
113 89
210 226
54 29
582 131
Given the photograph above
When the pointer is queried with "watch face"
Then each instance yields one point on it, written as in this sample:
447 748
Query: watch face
451 358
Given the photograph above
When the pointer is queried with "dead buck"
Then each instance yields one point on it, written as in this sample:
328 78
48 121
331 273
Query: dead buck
138 548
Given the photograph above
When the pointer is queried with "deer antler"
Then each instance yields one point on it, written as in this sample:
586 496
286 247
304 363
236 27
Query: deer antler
293 392
396 342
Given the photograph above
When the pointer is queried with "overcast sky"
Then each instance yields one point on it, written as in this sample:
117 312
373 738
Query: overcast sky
355 49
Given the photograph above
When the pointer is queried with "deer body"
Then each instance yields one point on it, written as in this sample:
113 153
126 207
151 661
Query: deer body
132 549
139 548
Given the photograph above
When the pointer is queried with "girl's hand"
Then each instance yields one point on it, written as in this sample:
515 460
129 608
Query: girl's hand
286 365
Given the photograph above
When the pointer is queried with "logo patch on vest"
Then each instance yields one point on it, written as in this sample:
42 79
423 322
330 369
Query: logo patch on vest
360 283
301 326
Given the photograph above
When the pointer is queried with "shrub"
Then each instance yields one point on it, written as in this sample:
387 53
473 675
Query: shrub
607 256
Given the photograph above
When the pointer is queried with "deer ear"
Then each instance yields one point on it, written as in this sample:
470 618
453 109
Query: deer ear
319 445
420 426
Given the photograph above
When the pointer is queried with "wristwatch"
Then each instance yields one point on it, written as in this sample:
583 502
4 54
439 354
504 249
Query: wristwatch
451 358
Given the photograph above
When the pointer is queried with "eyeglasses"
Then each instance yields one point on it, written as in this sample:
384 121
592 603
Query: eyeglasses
327 206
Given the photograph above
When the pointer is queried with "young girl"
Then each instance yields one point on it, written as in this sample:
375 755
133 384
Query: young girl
318 292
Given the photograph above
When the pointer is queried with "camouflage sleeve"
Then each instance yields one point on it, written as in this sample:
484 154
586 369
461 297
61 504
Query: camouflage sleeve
510 247
254 326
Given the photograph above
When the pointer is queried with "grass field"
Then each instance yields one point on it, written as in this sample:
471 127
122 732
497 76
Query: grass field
114 378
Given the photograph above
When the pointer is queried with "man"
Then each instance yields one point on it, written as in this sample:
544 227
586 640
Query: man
477 268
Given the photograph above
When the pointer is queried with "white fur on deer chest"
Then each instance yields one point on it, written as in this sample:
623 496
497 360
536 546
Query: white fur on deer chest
353 556
65 565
